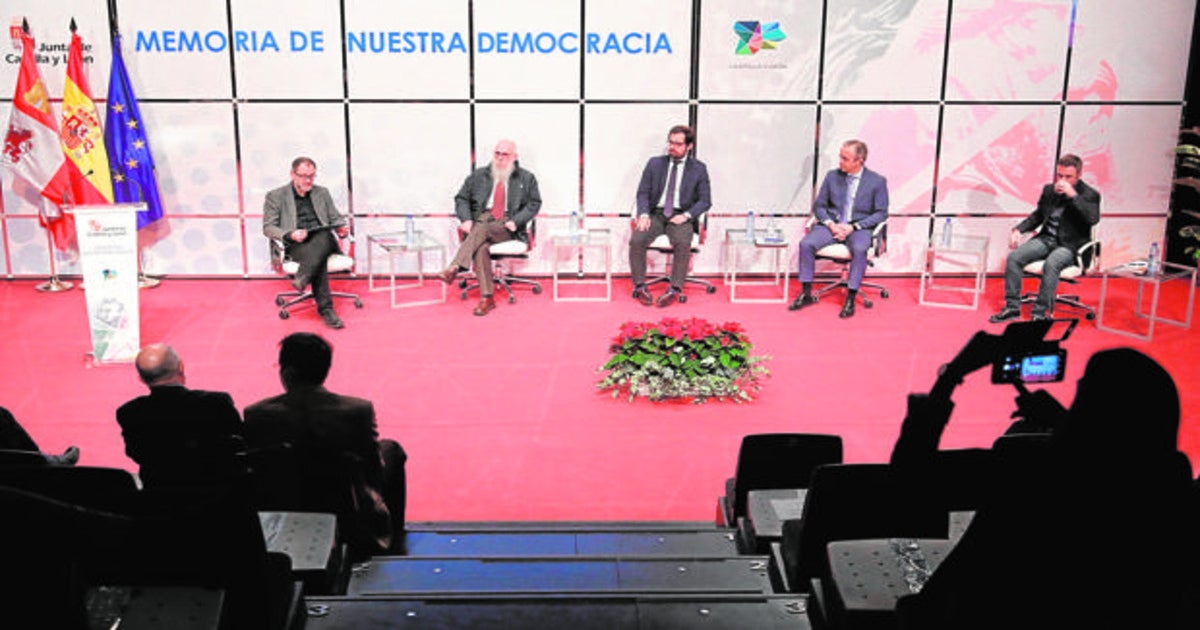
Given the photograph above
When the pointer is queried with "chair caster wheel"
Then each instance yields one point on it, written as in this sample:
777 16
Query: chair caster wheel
279 301
682 298
537 290
709 290
512 299
1089 316
868 304
883 293
462 296
284 314
357 303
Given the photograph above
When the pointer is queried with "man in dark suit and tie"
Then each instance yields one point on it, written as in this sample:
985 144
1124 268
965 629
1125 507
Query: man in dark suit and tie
495 204
336 461
301 215
672 194
852 200
180 437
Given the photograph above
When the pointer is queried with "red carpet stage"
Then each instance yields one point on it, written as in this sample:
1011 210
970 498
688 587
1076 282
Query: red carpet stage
500 415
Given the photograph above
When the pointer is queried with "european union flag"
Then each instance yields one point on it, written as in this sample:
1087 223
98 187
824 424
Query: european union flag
128 151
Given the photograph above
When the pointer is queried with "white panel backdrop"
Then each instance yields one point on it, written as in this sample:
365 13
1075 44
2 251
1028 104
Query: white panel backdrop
398 101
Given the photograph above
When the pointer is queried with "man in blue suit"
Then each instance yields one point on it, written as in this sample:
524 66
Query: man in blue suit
673 193
851 202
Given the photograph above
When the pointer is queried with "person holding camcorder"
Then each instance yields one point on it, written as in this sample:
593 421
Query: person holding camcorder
1097 531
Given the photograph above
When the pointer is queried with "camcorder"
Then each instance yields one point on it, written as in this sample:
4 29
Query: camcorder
1031 352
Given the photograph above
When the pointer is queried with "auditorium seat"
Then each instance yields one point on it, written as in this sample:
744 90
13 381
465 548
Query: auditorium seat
848 502
774 461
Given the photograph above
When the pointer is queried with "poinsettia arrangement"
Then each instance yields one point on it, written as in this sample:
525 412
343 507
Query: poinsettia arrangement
682 358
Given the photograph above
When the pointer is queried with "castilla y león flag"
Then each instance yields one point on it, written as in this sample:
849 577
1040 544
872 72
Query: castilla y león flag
31 146
81 137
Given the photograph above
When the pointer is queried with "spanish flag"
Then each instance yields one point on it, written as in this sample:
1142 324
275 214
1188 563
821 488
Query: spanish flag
80 135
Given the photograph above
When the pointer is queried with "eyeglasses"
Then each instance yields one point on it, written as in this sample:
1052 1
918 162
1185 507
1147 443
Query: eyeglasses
676 144
502 154
305 175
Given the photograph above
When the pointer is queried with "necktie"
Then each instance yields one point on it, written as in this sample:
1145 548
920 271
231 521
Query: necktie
851 189
498 200
669 202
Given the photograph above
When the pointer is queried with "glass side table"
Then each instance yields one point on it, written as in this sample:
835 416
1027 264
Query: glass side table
1135 271
575 245
737 243
394 245
963 256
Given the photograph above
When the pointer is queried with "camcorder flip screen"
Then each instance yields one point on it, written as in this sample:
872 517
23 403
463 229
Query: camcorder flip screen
1030 352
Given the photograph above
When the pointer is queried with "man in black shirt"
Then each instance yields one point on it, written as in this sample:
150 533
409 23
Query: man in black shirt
300 214
1064 217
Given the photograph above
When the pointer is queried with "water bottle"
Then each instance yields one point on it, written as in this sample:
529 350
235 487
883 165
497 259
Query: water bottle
947 233
573 224
410 230
749 225
1152 259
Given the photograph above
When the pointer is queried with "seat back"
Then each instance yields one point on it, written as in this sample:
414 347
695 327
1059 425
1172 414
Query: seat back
340 262
840 253
663 244
285 478
109 489
513 248
770 461
853 502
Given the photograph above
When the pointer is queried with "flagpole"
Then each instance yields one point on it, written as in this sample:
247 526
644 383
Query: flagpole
54 284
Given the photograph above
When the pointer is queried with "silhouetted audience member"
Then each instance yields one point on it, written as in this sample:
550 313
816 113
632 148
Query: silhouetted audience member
13 437
180 437
320 451
1097 532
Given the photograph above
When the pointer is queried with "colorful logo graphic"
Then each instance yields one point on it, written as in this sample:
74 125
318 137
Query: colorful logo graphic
756 36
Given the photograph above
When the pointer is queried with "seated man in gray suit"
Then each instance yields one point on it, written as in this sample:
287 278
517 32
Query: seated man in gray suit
333 459
302 215
495 204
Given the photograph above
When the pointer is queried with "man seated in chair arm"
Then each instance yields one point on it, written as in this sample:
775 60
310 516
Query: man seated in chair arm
301 214
672 194
852 200
1063 218
495 204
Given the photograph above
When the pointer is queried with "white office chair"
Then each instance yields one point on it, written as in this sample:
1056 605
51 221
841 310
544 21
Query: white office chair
1087 262
662 244
501 254
839 253
338 263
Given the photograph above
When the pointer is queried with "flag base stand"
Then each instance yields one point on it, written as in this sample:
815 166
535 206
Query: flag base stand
147 282
54 285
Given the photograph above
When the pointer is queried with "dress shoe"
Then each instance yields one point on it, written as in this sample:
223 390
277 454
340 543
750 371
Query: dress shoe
332 320
804 299
668 298
847 309
643 295
485 305
1005 314
70 457
448 274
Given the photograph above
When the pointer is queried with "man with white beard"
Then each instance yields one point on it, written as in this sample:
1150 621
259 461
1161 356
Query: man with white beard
495 204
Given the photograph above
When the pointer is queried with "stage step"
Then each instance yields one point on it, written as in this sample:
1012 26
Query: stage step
560 575
712 612
490 540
